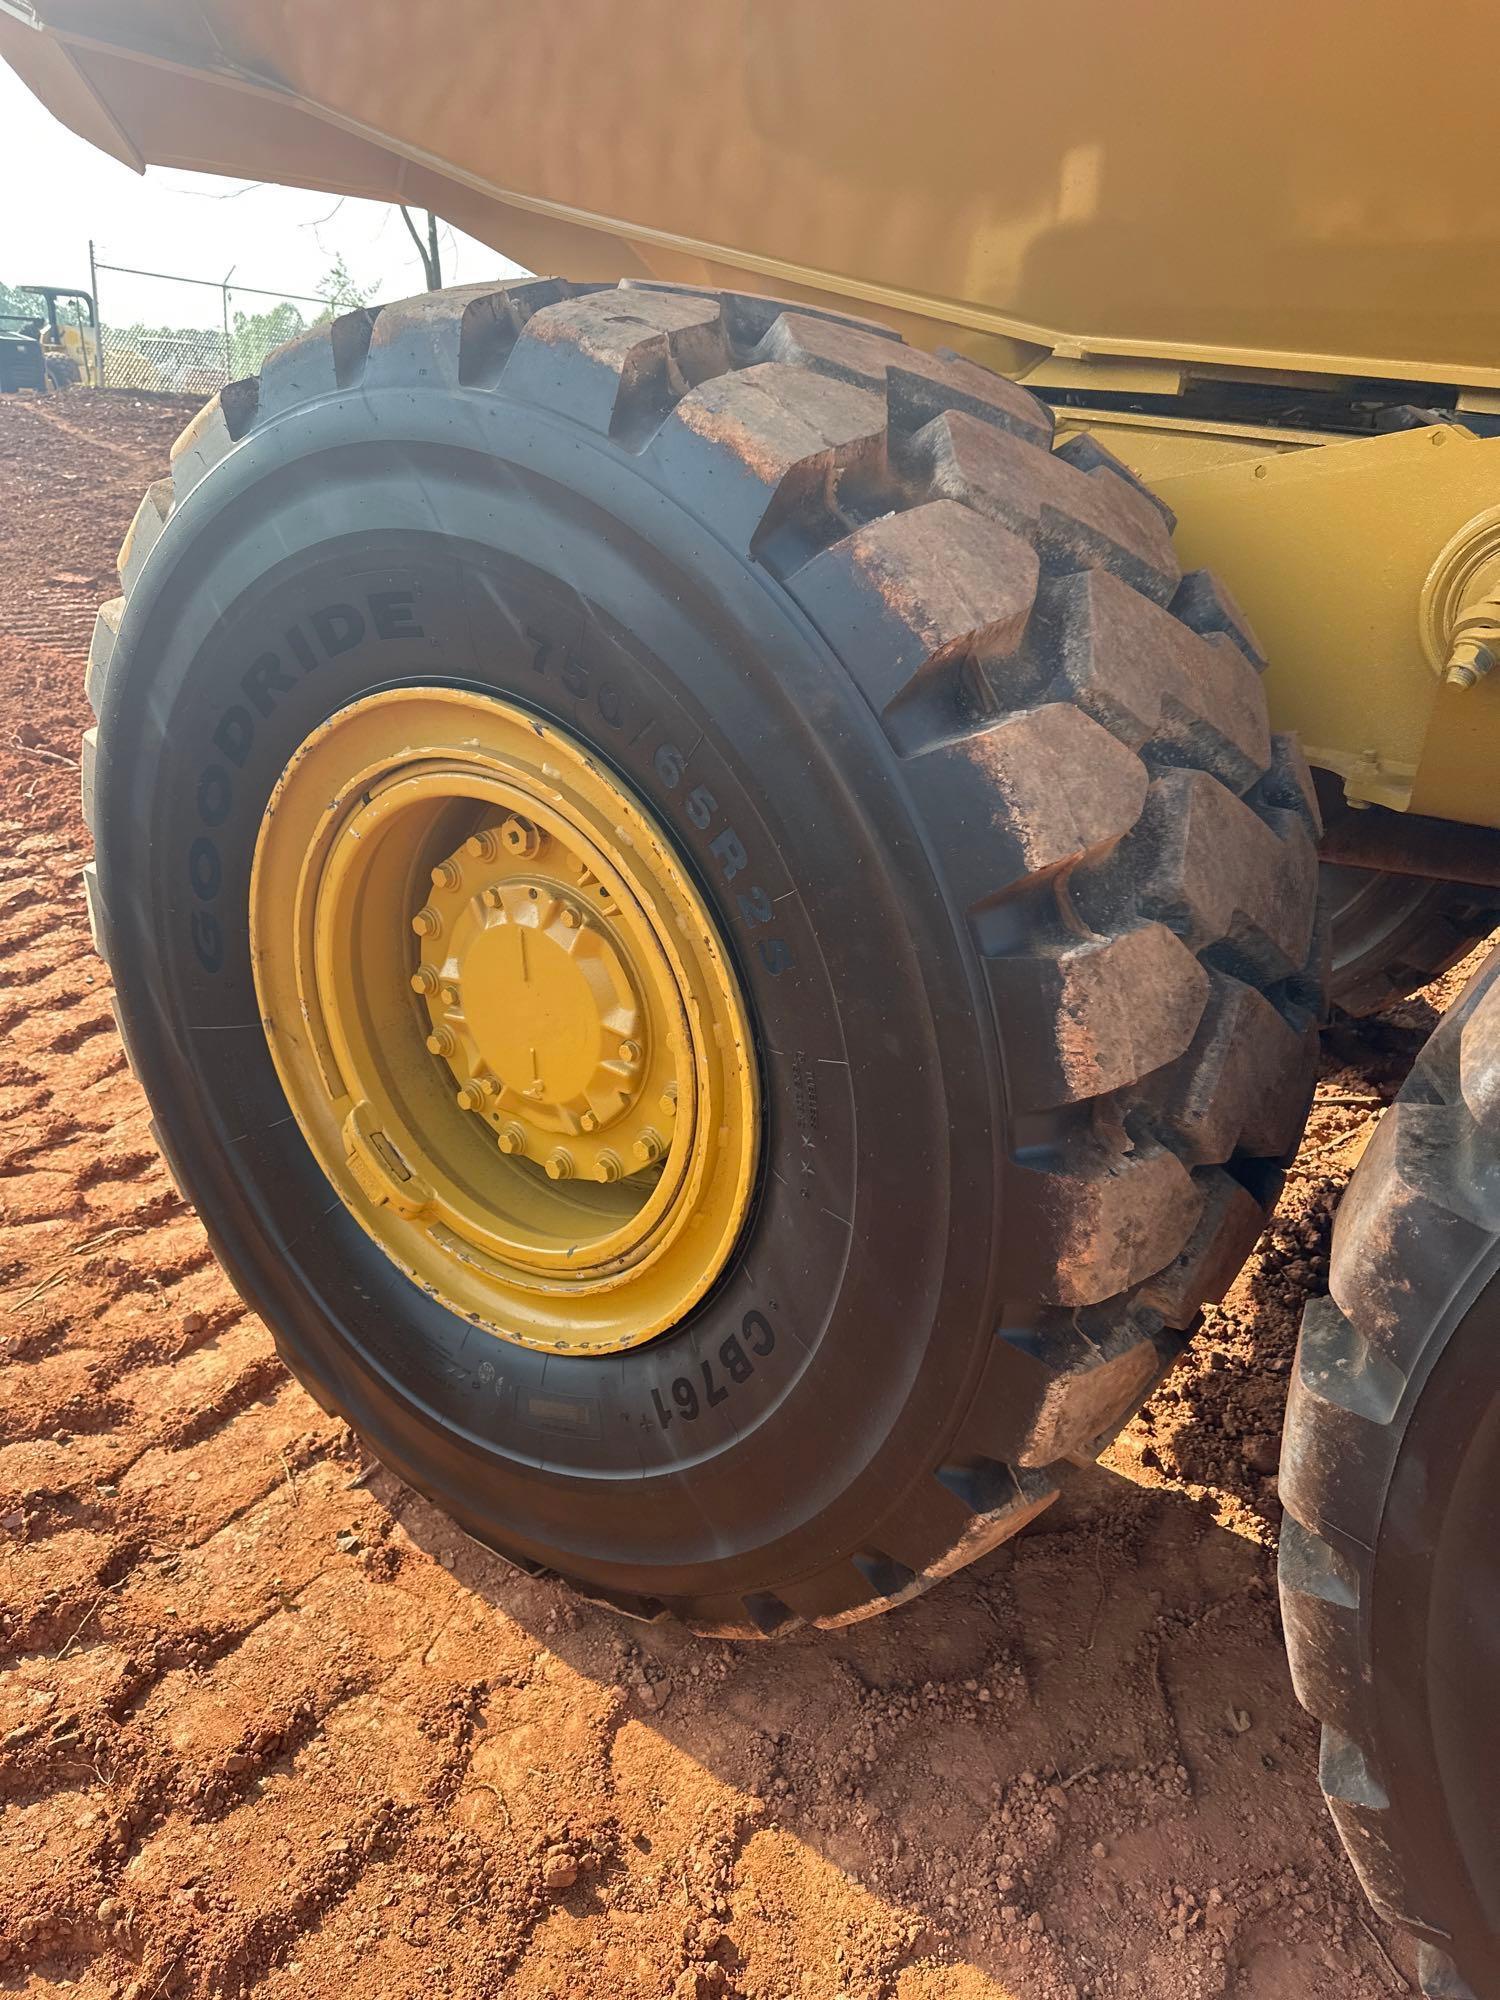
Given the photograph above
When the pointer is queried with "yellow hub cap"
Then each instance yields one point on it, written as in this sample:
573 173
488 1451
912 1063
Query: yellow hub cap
504 1019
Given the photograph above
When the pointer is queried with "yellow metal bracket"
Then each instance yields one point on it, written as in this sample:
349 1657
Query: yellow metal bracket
1370 572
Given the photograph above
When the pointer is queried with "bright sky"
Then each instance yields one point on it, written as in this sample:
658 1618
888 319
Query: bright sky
63 191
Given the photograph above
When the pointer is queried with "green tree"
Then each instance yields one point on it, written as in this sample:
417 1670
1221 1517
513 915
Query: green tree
342 293
253 335
17 302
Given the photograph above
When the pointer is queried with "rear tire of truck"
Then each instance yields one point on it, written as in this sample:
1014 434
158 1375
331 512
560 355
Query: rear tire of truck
972 790
1392 934
1390 1565
1389 935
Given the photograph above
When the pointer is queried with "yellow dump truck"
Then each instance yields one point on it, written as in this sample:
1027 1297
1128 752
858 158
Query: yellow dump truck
706 859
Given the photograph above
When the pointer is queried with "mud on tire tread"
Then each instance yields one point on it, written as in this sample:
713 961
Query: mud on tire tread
1082 727
1422 1210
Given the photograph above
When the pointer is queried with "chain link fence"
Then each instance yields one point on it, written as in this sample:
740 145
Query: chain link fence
190 336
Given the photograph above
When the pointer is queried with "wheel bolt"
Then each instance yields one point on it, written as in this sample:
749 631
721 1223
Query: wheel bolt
589 1121
427 923
630 1052
449 996
648 1149
483 846
424 980
519 837
668 1100
513 1140
607 1167
471 1098
570 918
560 1166
492 899
446 875
441 1042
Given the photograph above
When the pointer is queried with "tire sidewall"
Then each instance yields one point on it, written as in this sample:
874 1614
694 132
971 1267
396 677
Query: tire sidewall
1434 1560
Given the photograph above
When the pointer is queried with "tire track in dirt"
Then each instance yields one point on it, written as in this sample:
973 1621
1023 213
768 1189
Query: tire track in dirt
68 480
267 1723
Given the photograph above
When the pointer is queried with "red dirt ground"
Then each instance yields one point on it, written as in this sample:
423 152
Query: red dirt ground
267 1723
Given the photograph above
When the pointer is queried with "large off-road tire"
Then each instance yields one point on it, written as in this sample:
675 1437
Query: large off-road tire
1390 1472
1390 934
978 787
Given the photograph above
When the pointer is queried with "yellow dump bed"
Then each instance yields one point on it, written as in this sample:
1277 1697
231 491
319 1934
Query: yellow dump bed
1142 186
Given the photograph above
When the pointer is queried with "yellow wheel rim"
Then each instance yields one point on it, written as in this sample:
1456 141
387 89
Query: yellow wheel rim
504 1019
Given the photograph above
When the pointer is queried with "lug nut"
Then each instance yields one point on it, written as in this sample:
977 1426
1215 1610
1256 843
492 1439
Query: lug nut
483 846
668 1100
424 980
513 1140
648 1149
471 1098
570 917
608 1167
441 1042
449 996
590 1121
447 875
520 838
427 923
630 1052
492 899
560 1166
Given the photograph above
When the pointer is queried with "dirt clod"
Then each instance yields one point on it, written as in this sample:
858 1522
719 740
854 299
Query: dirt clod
559 1869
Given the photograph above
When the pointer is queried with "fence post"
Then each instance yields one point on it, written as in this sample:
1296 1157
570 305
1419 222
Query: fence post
98 316
228 371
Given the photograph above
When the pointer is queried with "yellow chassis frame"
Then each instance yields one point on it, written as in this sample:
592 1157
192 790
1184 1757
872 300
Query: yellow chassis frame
1339 554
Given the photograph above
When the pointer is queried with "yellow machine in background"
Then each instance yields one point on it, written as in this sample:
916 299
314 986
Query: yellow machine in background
57 347
70 336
